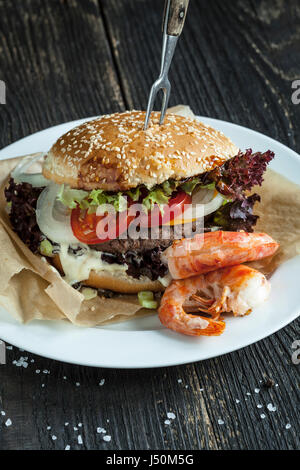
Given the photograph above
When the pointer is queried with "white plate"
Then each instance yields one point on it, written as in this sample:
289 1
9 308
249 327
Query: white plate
144 342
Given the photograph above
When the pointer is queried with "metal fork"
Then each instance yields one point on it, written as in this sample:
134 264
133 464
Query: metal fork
174 17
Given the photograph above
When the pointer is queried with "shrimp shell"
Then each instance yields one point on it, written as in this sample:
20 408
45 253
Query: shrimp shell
236 289
210 251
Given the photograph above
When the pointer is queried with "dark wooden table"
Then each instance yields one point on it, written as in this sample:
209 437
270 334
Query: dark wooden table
67 59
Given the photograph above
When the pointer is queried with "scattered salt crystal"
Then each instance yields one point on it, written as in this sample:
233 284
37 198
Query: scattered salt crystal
288 426
102 382
64 377
48 428
8 422
66 424
80 441
77 384
259 406
54 438
80 425
220 421
167 421
257 390
21 362
171 415
271 407
237 401
179 381
37 371
3 413
107 438
262 416
67 447
101 431
201 389
75 429
46 371
43 385
249 394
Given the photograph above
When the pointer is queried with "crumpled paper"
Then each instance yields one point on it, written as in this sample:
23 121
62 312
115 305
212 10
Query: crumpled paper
31 289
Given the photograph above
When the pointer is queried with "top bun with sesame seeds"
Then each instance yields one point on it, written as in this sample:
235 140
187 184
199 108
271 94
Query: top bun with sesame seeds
114 153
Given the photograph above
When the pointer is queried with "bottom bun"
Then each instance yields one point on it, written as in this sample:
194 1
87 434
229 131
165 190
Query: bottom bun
123 285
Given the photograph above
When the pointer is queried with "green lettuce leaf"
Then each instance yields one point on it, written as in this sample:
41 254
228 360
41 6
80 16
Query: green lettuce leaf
71 197
159 195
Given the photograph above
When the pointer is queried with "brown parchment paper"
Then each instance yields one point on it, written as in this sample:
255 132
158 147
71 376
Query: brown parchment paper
30 288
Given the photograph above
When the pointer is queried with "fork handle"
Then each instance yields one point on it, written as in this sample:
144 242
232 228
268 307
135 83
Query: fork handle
174 16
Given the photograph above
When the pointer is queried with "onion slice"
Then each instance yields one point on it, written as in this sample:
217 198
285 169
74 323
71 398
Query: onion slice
37 180
204 202
53 218
210 199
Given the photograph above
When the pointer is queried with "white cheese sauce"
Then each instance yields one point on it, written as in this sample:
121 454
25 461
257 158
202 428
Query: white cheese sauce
78 268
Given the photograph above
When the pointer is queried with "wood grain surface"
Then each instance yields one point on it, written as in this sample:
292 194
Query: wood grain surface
236 60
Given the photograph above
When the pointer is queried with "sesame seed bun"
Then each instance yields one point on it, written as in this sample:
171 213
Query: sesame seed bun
107 280
114 153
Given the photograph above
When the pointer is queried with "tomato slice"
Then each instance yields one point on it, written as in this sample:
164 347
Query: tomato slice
84 226
171 211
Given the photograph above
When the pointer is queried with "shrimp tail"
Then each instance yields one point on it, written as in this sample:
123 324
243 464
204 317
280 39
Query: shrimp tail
198 325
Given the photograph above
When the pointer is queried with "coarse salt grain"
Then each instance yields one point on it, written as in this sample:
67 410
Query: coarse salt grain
220 421
271 407
171 415
80 441
8 422
101 431
107 438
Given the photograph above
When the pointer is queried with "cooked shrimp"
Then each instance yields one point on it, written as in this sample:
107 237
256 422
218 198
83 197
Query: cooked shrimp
209 251
236 289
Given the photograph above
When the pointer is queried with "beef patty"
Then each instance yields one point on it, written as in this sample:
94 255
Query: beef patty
161 237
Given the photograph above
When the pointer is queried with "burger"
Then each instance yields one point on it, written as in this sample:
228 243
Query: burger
112 161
